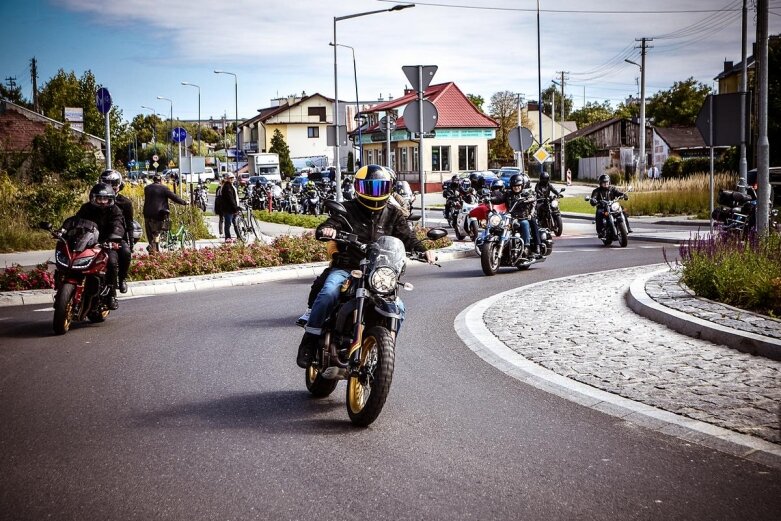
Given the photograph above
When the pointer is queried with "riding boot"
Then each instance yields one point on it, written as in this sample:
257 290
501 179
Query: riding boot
111 299
306 350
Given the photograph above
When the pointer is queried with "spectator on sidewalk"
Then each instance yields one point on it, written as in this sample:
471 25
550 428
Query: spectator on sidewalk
156 210
229 204
218 206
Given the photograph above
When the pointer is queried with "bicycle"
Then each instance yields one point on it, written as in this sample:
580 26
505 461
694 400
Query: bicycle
172 241
246 225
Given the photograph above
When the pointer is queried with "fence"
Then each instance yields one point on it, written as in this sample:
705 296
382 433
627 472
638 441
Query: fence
592 167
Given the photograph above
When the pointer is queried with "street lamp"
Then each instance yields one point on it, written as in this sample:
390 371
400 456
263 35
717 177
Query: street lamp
236 121
336 89
641 162
154 132
170 127
199 112
358 117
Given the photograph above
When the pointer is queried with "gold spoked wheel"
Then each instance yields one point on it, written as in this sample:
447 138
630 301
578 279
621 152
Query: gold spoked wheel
63 309
316 384
368 389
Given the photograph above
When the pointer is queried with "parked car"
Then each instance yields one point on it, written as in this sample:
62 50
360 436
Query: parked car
488 176
255 178
297 184
506 172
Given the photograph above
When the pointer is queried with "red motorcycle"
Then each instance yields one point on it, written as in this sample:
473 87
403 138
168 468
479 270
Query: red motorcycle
81 262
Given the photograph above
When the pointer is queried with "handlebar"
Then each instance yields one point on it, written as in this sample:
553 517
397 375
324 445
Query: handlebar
351 238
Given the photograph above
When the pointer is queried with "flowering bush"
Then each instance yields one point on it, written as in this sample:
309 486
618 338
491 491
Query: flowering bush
14 278
296 250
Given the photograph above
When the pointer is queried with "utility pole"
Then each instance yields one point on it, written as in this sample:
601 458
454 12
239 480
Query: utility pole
743 165
521 97
643 48
11 81
34 78
562 75
763 144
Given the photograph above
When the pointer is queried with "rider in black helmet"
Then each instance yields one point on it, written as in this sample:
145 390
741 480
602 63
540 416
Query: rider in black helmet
521 200
114 179
602 192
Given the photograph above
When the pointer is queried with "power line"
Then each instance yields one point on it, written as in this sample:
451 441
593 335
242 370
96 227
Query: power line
557 11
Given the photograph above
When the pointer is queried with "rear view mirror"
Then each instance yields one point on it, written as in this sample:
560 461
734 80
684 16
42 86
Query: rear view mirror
436 233
45 225
586 198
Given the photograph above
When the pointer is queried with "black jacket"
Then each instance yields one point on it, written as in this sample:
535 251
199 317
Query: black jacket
126 207
156 198
110 221
526 207
602 194
543 191
369 226
229 199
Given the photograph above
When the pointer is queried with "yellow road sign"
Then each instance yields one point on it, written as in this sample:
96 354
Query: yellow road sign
541 155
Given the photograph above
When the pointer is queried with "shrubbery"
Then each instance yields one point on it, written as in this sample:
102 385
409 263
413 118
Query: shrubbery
14 278
291 219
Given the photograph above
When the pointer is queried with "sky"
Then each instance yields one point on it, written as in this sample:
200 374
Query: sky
142 49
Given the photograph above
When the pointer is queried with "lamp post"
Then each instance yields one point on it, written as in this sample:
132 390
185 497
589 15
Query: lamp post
170 127
338 173
358 117
154 132
236 121
199 112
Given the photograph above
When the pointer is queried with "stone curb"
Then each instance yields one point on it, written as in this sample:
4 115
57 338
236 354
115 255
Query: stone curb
642 304
471 328
203 282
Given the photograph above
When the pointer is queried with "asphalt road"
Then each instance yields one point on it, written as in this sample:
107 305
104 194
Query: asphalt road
190 406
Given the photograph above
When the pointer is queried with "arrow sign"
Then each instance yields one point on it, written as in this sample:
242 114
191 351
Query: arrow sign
103 100
411 72
178 134
411 118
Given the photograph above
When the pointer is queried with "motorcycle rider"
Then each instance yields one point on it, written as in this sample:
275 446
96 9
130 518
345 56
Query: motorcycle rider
606 192
156 198
125 252
111 228
371 216
522 201
450 193
543 188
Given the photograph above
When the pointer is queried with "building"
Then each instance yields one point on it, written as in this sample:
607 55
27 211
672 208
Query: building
459 141
683 142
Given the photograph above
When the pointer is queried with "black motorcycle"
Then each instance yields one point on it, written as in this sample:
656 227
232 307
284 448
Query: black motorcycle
358 342
737 212
501 244
200 197
615 228
549 214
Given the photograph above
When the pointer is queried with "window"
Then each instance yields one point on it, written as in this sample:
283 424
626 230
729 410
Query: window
404 161
317 111
415 159
312 131
440 159
467 157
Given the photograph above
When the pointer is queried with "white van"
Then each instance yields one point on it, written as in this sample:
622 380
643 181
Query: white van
205 176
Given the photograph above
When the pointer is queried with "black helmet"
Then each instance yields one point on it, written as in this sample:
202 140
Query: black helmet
604 178
516 180
373 185
498 185
101 196
544 178
112 178
477 180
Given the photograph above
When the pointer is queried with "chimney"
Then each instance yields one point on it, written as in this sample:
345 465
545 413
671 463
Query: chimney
728 65
291 99
390 97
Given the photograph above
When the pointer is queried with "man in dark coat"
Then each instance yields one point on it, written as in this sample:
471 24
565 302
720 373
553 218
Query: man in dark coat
156 210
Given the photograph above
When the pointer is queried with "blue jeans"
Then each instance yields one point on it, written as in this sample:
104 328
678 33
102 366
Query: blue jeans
327 298
526 234
227 222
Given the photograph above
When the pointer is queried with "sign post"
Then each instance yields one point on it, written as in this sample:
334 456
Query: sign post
178 135
103 102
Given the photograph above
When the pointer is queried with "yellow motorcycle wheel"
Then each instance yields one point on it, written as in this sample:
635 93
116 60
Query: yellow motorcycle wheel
368 390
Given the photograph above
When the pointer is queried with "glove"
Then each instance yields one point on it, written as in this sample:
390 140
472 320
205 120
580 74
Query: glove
593 201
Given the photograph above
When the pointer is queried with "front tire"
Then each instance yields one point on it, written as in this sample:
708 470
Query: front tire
623 234
458 231
489 258
557 225
367 392
473 230
63 309
316 384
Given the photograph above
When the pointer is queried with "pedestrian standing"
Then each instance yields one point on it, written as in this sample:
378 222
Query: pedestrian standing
156 210
218 206
230 204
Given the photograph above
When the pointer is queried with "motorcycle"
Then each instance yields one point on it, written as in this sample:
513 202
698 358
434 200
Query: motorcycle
501 244
348 190
737 212
358 342
615 224
312 202
549 214
462 225
80 282
200 197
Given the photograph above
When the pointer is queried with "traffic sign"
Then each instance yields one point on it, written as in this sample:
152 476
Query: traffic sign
521 139
155 158
103 100
726 112
388 123
412 74
155 164
132 162
178 134
541 155
412 118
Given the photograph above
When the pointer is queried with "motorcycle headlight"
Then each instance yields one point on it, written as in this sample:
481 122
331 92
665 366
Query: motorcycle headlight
383 280
494 220
83 262
554 203
615 207
61 258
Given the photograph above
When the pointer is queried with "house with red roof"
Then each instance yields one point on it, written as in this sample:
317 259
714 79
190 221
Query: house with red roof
459 141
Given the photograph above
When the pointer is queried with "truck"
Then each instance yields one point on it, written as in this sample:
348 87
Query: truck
265 164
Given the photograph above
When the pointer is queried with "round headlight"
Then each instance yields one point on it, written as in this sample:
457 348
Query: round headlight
494 220
615 207
554 203
383 280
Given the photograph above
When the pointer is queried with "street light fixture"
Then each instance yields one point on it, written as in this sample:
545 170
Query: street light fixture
358 117
641 162
236 121
154 132
199 112
338 172
170 127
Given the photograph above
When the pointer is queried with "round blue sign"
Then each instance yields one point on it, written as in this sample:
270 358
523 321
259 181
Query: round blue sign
103 100
179 134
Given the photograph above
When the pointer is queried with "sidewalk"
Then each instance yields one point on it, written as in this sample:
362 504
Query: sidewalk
638 369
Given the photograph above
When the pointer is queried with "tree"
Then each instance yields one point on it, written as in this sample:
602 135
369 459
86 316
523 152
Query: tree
504 110
592 112
278 146
553 92
57 152
579 148
679 105
13 94
627 110
476 100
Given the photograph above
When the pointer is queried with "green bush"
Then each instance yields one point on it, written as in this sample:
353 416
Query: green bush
671 167
291 219
695 165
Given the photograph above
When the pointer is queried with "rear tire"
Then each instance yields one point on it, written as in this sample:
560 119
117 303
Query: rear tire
63 309
366 399
489 258
316 384
98 316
